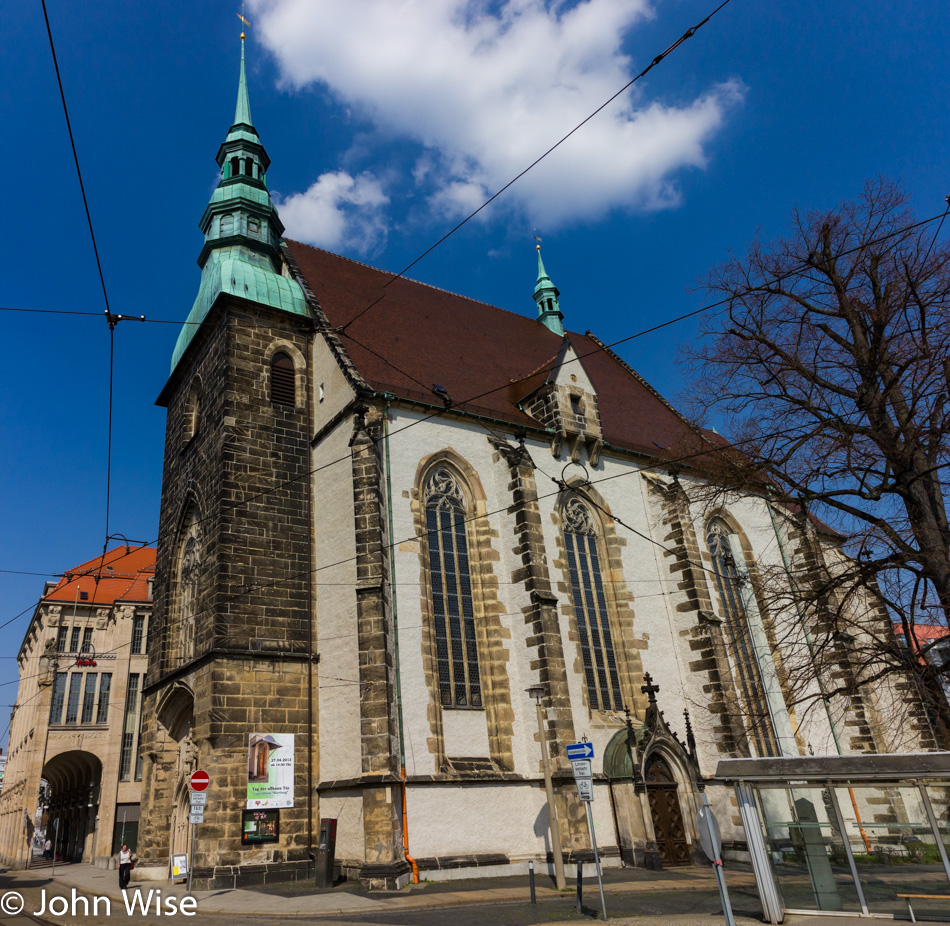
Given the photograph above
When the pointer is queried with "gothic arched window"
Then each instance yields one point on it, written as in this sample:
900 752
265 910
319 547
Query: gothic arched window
192 418
451 583
189 566
283 380
735 594
590 608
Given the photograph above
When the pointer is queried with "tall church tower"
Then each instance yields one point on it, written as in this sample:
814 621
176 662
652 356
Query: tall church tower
230 653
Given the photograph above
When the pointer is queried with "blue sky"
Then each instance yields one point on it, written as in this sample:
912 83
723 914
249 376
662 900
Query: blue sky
382 129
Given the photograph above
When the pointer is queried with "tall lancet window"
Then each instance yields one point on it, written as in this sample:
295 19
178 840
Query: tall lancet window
189 566
451 582
590 608
737 599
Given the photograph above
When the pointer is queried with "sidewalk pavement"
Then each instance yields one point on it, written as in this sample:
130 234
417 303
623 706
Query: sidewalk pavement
685 897
284 901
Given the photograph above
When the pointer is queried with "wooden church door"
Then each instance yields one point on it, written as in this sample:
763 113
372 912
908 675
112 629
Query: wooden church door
665 811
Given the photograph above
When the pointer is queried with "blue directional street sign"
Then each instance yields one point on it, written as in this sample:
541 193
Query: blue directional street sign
580 751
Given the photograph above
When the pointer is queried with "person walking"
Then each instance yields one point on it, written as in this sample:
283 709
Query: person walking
48 848
125 866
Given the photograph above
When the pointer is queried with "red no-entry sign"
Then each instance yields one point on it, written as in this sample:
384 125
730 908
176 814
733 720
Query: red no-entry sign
199 780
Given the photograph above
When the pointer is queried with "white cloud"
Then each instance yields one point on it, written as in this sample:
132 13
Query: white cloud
338 211
484 86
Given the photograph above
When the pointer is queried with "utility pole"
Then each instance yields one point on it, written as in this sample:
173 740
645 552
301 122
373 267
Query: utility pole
536 691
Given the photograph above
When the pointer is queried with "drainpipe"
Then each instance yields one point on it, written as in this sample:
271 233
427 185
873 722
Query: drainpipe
311 612
393 599
811 652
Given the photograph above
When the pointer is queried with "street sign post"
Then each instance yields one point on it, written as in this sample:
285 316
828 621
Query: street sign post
711 841
580 755
198 797
198 782
581 768
580 751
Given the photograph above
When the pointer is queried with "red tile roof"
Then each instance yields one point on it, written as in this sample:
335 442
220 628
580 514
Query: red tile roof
124 573
487 358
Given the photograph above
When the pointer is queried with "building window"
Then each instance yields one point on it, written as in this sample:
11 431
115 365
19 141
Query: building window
283 380
731 582
191 420
59 696
590 608
61 639
89 697
254 227
86 638
138 634
105 685
227 224
72 705
189 567
74 640
577 410
129 728
451 582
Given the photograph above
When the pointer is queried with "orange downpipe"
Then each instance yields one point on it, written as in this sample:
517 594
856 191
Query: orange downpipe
857 819
405 832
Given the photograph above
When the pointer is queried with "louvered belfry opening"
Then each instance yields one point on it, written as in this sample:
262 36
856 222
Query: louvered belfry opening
283 380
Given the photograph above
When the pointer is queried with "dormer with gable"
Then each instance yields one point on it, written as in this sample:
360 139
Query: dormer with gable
562 396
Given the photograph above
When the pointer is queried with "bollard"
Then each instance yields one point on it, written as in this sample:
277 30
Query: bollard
534 899
580 886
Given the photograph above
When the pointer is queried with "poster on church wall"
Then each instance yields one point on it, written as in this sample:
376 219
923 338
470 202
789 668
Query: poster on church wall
270 770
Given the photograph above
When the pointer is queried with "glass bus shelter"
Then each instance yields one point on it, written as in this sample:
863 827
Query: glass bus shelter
846 834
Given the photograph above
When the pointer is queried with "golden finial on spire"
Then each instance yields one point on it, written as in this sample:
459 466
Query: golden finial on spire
243 20
536 238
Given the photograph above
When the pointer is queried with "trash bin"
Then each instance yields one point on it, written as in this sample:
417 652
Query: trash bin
326 852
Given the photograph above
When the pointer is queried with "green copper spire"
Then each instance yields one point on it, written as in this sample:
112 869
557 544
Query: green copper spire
241 253
242 112
546 296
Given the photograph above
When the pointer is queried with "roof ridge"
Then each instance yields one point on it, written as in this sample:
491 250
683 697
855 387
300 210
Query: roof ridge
546 367
134 579
626 366
438 289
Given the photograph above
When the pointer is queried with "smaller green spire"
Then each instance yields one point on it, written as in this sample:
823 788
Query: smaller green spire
546 296
242 112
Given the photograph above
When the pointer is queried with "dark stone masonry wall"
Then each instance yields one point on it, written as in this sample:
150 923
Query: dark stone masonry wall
245 472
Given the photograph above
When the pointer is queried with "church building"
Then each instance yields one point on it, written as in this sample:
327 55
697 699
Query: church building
395 519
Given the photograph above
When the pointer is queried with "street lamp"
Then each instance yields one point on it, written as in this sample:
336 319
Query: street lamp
537 692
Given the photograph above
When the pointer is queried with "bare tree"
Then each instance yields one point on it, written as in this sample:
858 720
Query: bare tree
830 364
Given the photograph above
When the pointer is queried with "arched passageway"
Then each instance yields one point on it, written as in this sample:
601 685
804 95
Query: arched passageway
75 780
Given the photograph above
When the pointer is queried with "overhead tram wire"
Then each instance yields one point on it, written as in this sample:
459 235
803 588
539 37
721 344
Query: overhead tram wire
111 318
688 34
250 588
794 271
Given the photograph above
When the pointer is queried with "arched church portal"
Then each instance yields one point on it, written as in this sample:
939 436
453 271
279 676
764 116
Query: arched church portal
176 714
668 824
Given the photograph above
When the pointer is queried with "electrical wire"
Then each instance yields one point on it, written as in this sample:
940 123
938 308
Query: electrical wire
688 34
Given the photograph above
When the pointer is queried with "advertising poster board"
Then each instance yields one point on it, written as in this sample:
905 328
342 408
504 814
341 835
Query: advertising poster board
259 826
270 770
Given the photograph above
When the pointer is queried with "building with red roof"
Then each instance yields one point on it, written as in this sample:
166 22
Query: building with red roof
74 772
